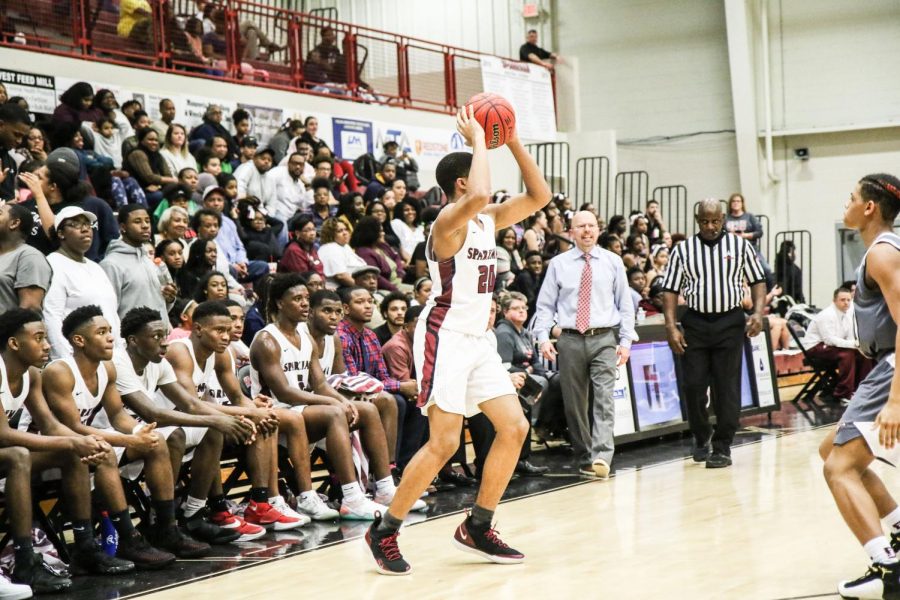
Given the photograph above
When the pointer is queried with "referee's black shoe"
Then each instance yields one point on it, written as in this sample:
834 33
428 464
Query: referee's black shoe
700 453
880 581
718 460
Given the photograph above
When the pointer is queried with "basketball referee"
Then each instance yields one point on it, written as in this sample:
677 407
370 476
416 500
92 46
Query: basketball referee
708 270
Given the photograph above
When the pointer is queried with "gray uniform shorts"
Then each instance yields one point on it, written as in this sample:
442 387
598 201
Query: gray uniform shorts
867 402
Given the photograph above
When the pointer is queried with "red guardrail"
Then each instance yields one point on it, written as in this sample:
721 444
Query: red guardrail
252 44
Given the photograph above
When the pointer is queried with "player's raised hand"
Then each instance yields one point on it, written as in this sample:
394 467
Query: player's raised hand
468 126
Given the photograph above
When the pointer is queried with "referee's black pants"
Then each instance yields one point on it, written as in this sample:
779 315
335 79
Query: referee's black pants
715 349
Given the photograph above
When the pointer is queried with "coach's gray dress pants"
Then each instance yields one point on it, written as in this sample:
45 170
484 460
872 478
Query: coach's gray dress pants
585 363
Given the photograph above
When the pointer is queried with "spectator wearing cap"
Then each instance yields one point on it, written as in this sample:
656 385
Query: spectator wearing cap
77 281
291 129
58 183
24 272
254 179
174 194
248 150
134 276
407 167
229 241
148 166
367 277
14 127
301 254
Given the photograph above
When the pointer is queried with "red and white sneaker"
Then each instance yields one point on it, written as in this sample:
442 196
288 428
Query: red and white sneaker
248 531
266 515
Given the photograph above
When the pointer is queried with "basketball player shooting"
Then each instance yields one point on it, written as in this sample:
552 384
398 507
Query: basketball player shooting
460 372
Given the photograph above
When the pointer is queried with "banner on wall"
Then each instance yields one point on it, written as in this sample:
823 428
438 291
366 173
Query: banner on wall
265 121
352 138
38 90
428 145
759 358
624 419
529 89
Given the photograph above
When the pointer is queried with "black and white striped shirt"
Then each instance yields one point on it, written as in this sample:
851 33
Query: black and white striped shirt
710 275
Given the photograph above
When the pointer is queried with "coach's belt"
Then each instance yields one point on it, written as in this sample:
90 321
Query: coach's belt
588 332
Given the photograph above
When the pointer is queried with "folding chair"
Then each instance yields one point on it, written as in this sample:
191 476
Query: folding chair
823 380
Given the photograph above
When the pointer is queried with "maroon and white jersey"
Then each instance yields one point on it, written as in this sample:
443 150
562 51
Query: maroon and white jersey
463 284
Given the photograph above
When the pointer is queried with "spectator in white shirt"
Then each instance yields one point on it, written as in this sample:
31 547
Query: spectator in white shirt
831 337
254 177
338 258
76 281
291 194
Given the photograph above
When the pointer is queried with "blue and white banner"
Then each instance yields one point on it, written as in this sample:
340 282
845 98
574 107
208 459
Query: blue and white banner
352 138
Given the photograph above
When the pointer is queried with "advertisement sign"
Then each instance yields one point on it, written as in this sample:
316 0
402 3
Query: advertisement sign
528 89
352 138
38 90
762 371
655 384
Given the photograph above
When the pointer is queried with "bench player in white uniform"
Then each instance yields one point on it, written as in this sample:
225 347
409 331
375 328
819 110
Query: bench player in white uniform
24 350
281 362
459 372
150 390
81 392
202 362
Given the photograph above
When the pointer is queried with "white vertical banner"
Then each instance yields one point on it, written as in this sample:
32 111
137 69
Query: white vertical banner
762 372
529 89
621 396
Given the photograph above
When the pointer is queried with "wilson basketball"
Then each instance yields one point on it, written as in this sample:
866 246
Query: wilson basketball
496 116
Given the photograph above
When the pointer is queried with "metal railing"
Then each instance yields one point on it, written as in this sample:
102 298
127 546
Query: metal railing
592 183
632 191
252 43
782 263
673 207
553 160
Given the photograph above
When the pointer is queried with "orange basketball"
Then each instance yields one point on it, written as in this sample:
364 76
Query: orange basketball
496 116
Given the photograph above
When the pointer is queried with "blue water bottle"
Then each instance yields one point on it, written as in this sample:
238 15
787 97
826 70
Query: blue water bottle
109 536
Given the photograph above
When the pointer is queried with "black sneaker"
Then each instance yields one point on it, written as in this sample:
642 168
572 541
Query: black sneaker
199 527
40 576
895 542
94 561
172 540
388 560
718 460
142 554
880 581
486 543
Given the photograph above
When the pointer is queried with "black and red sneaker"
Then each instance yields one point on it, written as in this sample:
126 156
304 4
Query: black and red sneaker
486 543
388 560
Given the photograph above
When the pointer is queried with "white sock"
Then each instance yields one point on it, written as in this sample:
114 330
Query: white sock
273 500
892 520
352 493
385 486
879 550
308 495
192 505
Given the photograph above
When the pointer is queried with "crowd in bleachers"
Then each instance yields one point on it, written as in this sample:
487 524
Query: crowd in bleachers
122 236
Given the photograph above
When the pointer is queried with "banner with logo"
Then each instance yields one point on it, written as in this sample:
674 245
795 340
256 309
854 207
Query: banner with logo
38 90
352 138
621 396
427 145
759 358
529 89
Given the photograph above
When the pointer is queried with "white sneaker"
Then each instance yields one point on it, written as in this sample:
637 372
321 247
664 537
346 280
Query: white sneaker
287 511
13 591
316 509
364 511
386 499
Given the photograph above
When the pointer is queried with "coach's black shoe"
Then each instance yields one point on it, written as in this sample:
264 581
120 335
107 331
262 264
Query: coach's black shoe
142 554
486 543
383 545
700 453
172 540
526 469
199 527
718 460
38 574
94 561
880 581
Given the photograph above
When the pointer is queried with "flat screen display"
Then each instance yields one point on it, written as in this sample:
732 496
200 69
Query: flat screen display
655 387
746 391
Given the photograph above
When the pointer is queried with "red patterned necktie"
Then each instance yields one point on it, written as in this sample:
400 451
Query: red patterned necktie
583 312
